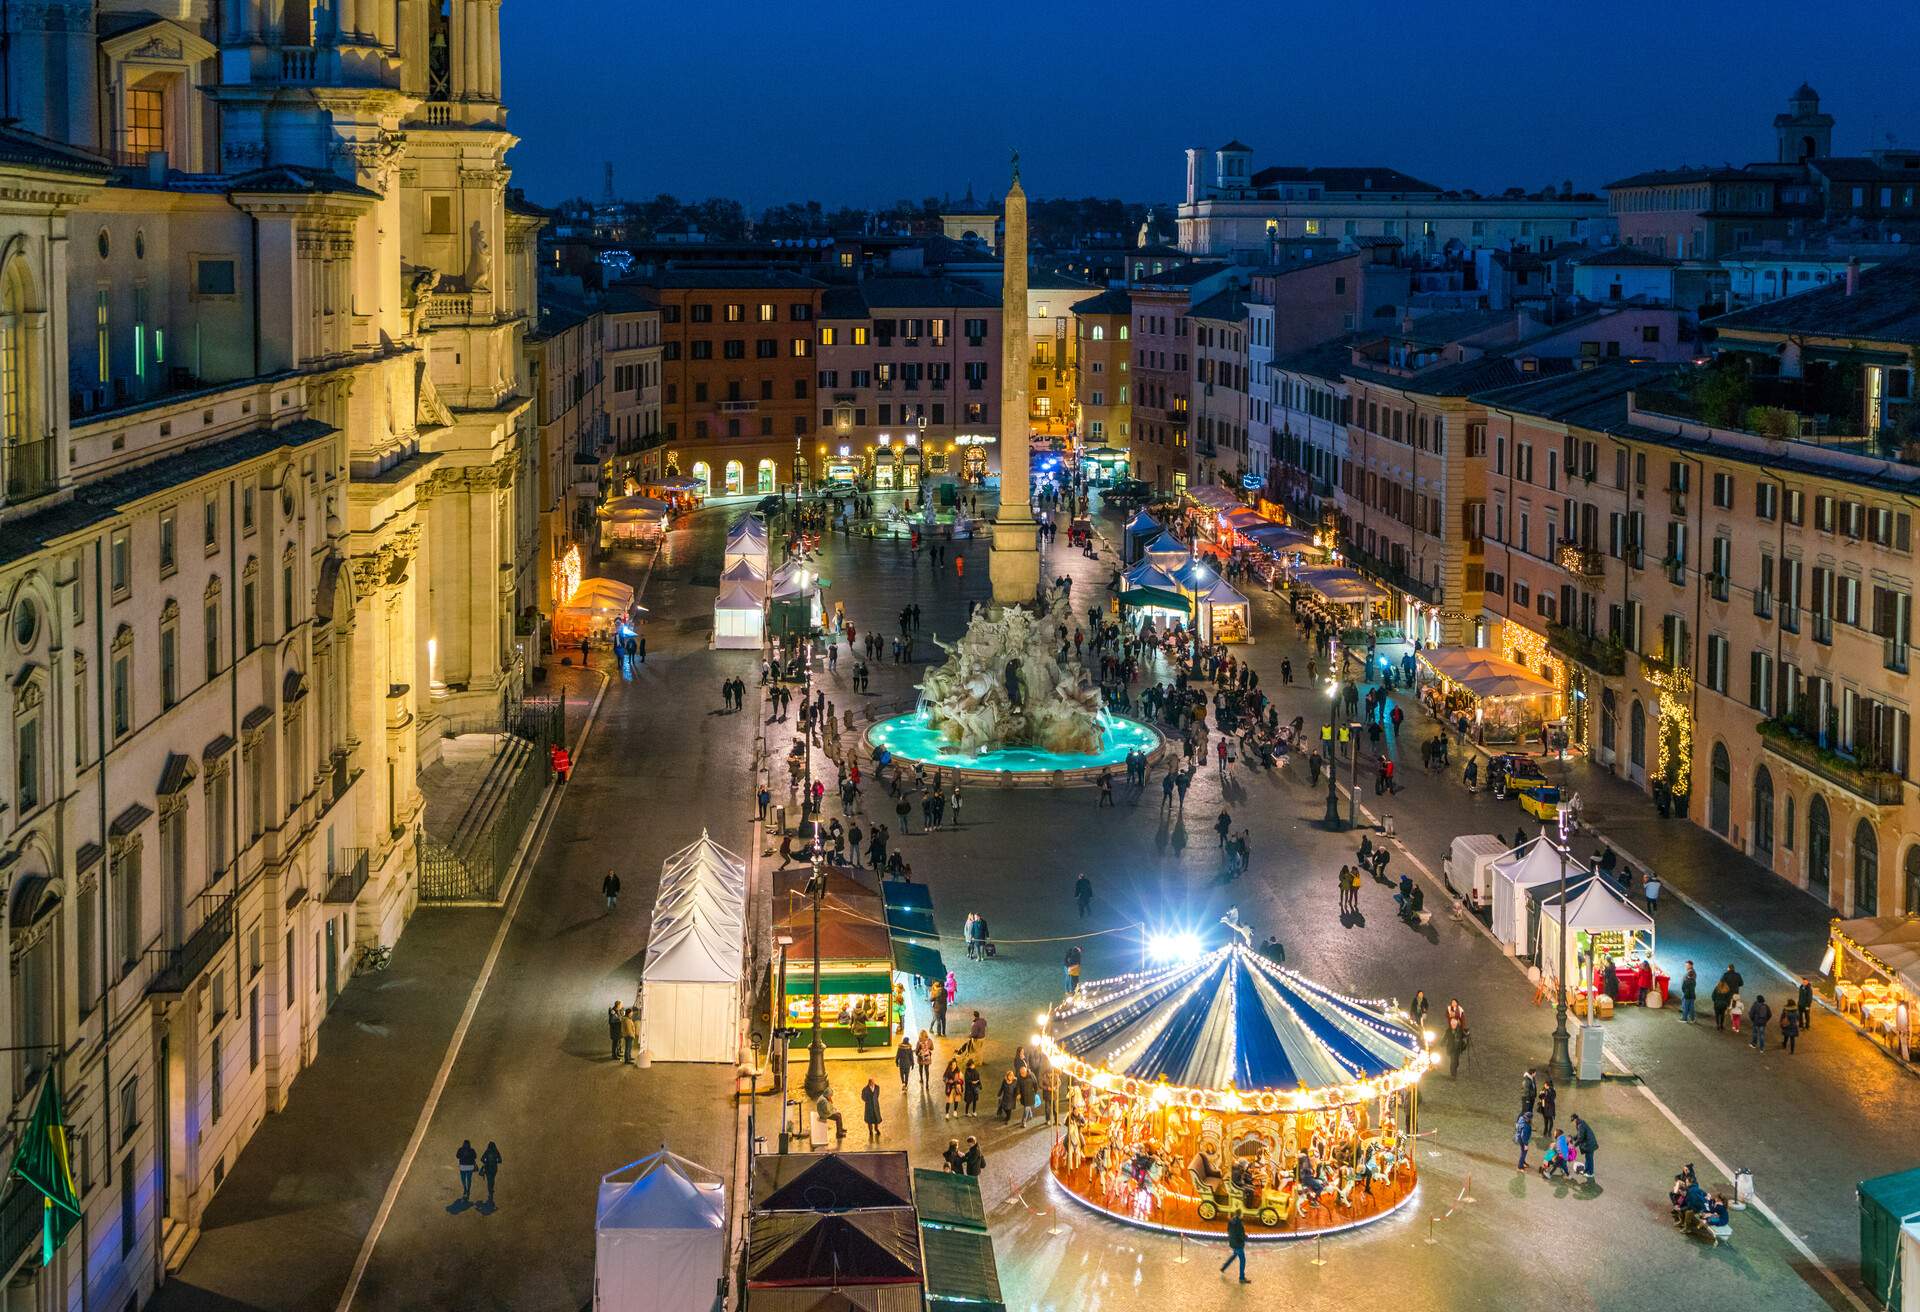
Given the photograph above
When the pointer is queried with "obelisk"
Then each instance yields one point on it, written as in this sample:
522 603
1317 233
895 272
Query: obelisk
1014 561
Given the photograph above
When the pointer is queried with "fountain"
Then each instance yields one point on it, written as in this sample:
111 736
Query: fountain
1012 698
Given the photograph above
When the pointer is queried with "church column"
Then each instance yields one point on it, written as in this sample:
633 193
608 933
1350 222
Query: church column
346 19
493 49
470 62
457 49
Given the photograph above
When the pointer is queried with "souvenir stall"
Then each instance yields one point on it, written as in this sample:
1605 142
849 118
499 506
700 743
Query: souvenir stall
632 521
1602 927
1225 615
1338 595
659 1236
1227 1083
1530 865
690 983
794 603
1140 530
595 610
1504 702
859 1006
1875 964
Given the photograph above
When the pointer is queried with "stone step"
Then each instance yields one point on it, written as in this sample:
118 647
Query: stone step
176 1242
514 756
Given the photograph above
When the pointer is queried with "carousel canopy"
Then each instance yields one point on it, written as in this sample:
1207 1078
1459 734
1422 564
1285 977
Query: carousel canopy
1484 674
1231 1018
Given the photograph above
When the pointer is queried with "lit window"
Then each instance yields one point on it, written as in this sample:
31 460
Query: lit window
146 122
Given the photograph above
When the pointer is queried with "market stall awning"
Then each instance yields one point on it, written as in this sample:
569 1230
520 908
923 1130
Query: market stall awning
1216 498
678 483
1166 545
1484 674
912 920
634 509
1223 593
1594 905
960 1270
906 893
798 1182
1156 598
1142 523
1279 537
1231 1017
601 597
1146 574
737 596
948 1199
915 958
1337 584
800 979
877 1247
1240 519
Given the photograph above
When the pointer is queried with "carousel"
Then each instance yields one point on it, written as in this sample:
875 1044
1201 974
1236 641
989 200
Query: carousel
1230 1084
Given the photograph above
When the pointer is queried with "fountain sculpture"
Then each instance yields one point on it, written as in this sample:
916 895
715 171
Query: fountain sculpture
1013 680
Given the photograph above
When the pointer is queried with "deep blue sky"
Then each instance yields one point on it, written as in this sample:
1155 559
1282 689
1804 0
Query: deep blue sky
862 103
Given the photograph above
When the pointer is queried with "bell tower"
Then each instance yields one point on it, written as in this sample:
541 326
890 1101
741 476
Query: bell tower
1803 131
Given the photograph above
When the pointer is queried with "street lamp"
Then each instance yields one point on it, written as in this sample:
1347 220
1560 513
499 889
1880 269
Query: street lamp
816 1083
1353 772
1561 1063
1333 789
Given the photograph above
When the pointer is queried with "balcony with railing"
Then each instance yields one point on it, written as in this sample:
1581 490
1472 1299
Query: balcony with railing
347 874
1865 769
1396 576
176 968
29 470
1582 562
1605 656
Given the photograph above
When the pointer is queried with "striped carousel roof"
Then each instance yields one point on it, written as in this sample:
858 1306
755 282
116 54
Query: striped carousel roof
1232 1017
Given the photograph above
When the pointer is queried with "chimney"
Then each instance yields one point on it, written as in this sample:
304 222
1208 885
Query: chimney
1853 273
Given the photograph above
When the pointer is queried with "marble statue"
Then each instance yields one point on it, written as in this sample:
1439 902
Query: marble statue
1012 681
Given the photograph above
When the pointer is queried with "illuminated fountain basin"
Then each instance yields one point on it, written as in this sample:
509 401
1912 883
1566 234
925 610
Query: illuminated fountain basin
910 738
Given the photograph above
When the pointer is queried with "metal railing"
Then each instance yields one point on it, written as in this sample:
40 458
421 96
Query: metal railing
347 874
20 1221
29 469
475 867
177 967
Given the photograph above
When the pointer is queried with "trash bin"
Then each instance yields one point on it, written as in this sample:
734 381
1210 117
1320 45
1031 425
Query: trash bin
780 819
1742 1187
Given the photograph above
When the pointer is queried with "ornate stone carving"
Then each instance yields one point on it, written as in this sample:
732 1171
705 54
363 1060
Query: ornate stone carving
155 47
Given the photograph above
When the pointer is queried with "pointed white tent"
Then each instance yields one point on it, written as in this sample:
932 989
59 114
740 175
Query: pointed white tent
690 985
739 615
1225 615
746 540
1167 551
1595 908
1530 865
660 1237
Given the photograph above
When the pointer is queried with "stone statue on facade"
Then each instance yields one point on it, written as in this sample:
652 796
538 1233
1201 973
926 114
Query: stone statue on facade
480 260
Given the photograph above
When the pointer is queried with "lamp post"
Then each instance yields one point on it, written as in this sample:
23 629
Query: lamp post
1353 773
816 1083
1561 1063
1333 789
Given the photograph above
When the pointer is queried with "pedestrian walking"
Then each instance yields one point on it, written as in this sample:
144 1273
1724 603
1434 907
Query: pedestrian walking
1758 1017
937 1002
614 1015
1523 1135
1166 790
1689 986
970 1087
1651 892
1736 1012
1071 965
950 1083
490 1167
870 1102
610 889
1236 1245
923 1058
1007 1095
1548 1104
1789 1026
1805 1000
1083 894
1529 1090
1027 1089
467 1158
903 1062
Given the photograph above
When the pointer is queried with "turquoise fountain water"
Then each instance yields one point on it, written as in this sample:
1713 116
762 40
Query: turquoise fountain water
911 738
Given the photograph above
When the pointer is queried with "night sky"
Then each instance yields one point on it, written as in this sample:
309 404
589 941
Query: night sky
862 103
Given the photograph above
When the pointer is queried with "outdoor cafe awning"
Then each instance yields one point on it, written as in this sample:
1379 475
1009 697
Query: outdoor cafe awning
1337 584
1484 674
1217 498
1278 537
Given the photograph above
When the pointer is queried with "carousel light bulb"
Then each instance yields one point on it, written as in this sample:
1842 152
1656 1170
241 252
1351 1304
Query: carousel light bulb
1428 1035
1040 1018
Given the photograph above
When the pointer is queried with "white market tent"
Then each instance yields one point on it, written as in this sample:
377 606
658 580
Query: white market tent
739 617
745 570
690 985
1594 908
1166 551
746 540
660 1237
1141 529
1533 863
1146 574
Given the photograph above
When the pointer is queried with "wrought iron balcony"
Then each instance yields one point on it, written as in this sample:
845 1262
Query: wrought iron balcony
29 469
1858 772
176 968
347 874
1601 655
1395 576
1580 561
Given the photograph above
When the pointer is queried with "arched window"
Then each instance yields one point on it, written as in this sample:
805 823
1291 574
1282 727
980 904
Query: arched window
1787 829
1819 846
1761 825
763 482
29 461
1637 736
1720 791
736 478
1607 717
703 475
1911 880
1866 870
